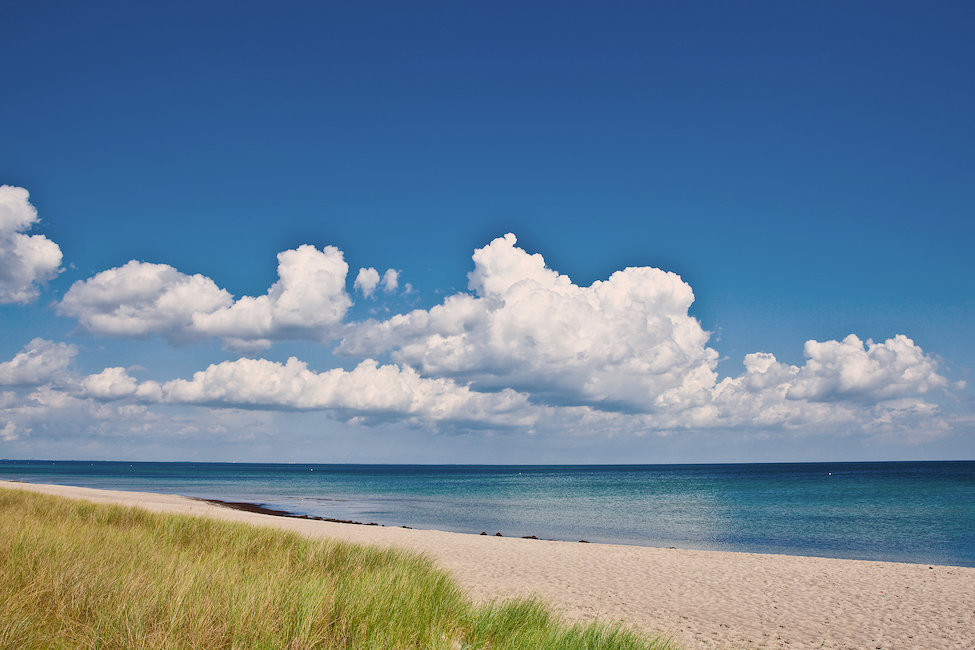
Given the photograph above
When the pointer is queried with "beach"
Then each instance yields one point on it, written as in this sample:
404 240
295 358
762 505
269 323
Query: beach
701 599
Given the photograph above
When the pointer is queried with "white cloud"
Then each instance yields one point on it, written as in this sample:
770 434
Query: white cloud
139 298
26 261
627 342
848 370
110 384
9 432
57 419
39 362
390 280
527 348
368 391
366 281
116 383
305 303
16 212
841 381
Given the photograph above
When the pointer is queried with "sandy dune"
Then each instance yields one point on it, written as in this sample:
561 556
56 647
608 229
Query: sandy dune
700 598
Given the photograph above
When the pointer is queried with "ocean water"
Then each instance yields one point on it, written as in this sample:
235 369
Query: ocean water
906 511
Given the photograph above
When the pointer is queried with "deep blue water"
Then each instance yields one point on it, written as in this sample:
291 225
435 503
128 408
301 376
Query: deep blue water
908 511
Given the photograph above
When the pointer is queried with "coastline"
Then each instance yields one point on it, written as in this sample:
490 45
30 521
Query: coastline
700 598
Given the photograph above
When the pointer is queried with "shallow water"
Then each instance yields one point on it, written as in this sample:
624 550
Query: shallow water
907 511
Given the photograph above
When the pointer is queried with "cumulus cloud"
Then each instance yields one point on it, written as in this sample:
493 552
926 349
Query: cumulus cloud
43 408
623 343
849 370
55 418
26 261
629 345
525 347
390 280
865 383
116 383
110 384
139 298
846 370
368 391
39 362
368 280
9 432
308 299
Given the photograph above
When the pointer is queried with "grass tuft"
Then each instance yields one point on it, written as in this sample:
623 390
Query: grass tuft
79 575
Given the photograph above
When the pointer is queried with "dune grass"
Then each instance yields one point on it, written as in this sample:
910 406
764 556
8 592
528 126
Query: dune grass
79 575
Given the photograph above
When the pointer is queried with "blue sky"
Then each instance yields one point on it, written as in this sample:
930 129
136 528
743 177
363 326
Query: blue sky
805 169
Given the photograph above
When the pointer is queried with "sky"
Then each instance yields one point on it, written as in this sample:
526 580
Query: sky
501 232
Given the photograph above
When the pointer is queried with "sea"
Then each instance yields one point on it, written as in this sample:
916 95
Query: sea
920 512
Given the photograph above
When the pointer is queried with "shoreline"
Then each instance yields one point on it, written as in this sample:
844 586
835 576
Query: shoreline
829 511
715 599
257 508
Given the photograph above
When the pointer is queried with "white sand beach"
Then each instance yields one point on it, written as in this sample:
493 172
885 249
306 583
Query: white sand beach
702 599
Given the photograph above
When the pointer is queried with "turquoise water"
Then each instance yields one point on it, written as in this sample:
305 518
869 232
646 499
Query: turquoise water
912 512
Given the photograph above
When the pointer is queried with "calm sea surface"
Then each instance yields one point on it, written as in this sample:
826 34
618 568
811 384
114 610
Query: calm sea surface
911 512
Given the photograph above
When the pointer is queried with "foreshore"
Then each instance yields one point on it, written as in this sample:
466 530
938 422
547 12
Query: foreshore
702 599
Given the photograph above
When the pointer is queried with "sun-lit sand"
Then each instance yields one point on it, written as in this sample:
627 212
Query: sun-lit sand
699 598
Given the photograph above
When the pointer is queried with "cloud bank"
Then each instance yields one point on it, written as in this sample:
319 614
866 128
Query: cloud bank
26 261
628 345
524 349
368 391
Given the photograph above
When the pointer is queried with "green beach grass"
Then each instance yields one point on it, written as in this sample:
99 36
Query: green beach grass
79 575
